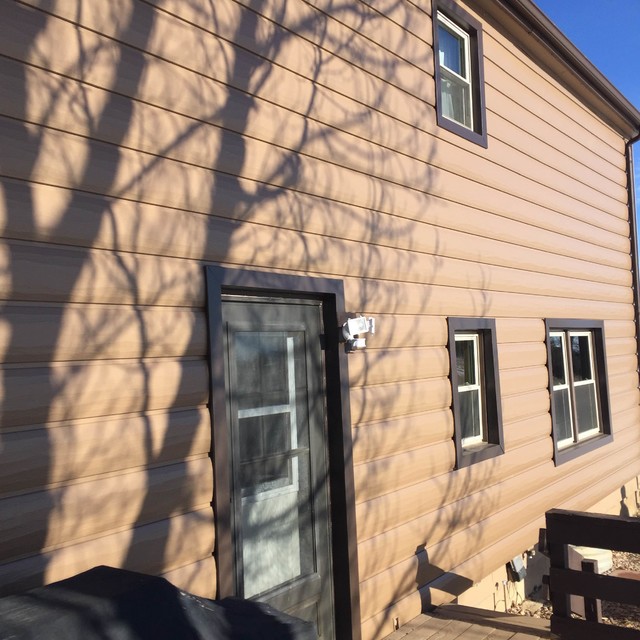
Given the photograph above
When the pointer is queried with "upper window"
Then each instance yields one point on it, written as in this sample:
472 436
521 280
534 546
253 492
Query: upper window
578 385
458 72
475 390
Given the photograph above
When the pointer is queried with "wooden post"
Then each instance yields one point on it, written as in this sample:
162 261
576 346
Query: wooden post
592 606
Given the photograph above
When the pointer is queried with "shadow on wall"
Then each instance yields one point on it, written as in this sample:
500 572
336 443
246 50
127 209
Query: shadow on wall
122 173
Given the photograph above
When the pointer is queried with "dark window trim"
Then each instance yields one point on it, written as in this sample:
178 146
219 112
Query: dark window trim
220 280
560 456
474 29
486 328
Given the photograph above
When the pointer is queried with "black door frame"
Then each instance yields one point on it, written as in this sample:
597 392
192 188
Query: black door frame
221 280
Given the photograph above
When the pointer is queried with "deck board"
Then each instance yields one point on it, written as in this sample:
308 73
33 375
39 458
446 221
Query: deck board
467 623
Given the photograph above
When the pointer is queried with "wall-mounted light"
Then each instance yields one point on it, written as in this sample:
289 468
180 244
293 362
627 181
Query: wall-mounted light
353 329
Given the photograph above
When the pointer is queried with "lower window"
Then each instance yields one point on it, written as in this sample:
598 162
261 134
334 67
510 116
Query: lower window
578 385
475 390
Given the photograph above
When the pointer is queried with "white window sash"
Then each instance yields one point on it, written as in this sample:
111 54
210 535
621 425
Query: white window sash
474 339
571 385
455 30
559 387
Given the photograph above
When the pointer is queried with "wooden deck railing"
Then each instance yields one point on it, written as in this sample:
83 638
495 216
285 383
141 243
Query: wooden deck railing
590 530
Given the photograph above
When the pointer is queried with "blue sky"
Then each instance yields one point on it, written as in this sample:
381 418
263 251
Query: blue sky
608 34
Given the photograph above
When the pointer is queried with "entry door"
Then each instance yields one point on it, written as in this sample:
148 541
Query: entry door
280 499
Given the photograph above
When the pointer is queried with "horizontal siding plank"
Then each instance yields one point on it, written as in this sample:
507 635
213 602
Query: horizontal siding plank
456 580
53 455
191 139
198 577
315 253
377 554
397 73
386 475
140 176
380 402
35 395
452 550
153 548
377 295
388 437
392 509
39 333
555 169
524 380
622 364
206 52
48 273
391 61
506 71
519 330
525 405
625 399
381 366
619 329
622 382
44 519
401 332
89 220
99 276
526 129
368 136
514 355
478 565
408 19
526 431
504 168
619 346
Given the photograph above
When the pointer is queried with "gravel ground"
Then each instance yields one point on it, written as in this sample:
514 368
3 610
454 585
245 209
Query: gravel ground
621 615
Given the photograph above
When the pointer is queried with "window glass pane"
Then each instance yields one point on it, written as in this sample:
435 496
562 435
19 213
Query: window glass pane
470 413
451 49
456 100
562 414
586 407
466 362
581 357
557 360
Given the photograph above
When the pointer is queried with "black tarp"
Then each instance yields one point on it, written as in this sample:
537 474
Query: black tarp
113 604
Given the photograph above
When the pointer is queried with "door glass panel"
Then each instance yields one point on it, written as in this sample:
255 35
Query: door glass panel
272 459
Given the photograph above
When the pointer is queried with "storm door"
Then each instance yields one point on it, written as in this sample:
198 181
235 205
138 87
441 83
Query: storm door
279 460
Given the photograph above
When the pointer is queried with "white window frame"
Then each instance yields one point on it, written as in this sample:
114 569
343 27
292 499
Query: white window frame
454 77
571 384
592 381
566 386
474 338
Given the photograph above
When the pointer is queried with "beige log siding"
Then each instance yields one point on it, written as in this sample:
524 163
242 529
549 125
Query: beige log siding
143 140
